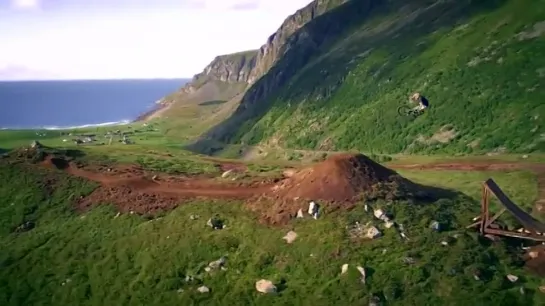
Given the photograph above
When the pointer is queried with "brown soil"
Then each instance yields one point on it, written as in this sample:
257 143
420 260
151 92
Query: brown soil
340 181
132 189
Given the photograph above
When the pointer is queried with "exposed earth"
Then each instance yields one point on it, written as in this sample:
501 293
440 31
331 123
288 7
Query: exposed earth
340 182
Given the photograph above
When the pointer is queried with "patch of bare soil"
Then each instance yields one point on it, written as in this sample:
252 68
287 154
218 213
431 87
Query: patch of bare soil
340 181
131 188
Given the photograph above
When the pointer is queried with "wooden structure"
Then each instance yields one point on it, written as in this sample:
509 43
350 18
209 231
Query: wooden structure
532 229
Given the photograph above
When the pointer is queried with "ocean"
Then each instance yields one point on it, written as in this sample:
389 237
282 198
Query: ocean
79 103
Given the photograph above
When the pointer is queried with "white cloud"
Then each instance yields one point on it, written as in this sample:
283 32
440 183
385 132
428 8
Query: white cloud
25 4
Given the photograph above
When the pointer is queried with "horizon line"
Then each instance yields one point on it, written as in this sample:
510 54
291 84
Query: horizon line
95 79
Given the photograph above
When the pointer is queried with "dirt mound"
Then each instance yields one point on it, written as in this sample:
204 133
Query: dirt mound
341 180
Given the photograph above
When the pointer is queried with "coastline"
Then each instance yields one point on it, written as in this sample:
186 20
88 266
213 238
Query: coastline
153 113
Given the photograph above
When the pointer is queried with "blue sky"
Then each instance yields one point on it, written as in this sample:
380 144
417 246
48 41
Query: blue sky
103 39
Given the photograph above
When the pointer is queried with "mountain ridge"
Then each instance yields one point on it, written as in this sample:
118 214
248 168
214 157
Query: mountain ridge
343 74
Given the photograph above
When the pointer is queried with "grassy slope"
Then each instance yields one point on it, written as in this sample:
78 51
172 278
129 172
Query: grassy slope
129 260
481 80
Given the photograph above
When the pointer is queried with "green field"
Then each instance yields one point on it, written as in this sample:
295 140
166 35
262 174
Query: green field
94 258
335 87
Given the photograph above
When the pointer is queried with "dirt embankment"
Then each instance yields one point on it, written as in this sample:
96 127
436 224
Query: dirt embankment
340 182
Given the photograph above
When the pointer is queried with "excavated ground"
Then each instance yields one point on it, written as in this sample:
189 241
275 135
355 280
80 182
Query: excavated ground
131 188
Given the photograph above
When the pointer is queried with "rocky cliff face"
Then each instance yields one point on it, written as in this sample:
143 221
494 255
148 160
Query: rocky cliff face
230 68
249 66
293 46
275 47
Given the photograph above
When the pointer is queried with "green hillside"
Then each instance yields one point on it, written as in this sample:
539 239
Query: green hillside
481 64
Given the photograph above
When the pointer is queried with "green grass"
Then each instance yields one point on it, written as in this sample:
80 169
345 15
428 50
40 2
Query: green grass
132 260
483 83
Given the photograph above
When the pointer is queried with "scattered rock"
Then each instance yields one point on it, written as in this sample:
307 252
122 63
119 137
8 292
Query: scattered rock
203 289
409 260
522 291
300 214
379 214
435 226
215 223
372 232
180 290
265 286
542 289
362 272
117 215
533 254
154 178
26 226
389 224
313 209
217 263
290 236
444 243
226 173
344 268
512 278
194 217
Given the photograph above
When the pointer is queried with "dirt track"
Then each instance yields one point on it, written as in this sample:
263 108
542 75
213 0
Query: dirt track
132 187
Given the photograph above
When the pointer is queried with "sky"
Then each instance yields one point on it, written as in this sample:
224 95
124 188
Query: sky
110 39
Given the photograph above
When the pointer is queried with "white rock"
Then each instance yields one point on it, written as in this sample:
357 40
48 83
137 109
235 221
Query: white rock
512 278
344 268
203 289
362 272
290 236
313 209
217 263
300 213
265 286
389 224
372 232
378 213
226 173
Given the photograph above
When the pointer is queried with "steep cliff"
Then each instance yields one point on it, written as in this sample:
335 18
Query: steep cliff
342 76
276 47
229 68
248 66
